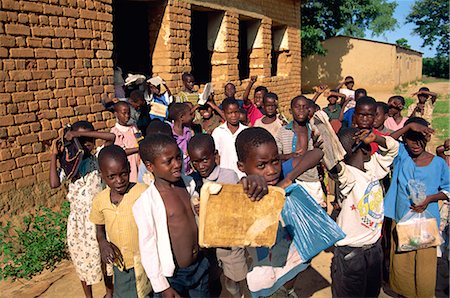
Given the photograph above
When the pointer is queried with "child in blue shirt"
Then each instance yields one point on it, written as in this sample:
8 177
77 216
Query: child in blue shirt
413 274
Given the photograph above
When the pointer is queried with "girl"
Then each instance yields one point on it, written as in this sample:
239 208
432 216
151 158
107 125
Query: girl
85 184
395 121
413 273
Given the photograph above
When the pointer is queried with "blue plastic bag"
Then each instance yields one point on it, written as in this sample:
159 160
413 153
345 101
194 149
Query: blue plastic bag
308 224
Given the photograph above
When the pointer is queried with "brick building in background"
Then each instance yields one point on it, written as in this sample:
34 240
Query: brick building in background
56 63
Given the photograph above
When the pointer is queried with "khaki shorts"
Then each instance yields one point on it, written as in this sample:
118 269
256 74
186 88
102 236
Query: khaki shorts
233 262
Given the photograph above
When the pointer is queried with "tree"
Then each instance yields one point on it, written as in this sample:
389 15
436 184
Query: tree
322 19
436 67
403 42
432 23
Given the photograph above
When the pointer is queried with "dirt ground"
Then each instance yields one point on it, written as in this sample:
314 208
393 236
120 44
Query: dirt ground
314 282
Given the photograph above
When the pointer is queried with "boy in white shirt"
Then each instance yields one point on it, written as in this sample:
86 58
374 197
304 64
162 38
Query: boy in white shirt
225 136
357 263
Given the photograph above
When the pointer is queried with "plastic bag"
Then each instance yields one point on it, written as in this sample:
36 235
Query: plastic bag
308 224
417 230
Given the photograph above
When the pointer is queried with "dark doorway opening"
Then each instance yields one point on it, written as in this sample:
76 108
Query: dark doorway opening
248 30
200 54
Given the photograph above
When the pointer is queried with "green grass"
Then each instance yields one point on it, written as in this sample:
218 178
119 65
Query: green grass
427 80
409 101
442 107
441 127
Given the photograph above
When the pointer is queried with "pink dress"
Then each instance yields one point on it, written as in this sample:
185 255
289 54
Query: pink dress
252 112
391 124
126 139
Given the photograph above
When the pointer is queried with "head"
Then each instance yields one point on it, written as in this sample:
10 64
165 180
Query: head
156 126
205 111
203 154
243 117
349 82
181 113
332 99
300 108
136 99
114 168
346 137
270 104
365 111
382 110
360 93
416 141
230 90
161 156
156 90
122 112
396 104
188 81
230 108
88 144
421 96
260 91
258 154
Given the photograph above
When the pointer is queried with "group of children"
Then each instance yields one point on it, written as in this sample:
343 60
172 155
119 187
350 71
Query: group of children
144 223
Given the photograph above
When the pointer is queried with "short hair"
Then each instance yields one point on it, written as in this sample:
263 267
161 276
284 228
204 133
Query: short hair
112 152
270 95
136 95
251 138
295 99
243 111
157 126
228 102
424 89
119 104
201 140
311 103
413 135
185 76
384 106
365 101
346 137
229 83
261 88
82 125
397 97
152 145
177 109
361 91
349 77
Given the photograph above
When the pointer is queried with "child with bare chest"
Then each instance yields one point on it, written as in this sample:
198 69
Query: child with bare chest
168 239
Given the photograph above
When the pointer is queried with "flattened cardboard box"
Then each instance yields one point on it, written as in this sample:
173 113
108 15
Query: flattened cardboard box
228 218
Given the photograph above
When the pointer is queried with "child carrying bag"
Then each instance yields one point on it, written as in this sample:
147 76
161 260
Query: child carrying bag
417 230
308 224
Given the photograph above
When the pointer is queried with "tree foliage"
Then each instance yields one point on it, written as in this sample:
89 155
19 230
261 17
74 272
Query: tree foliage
432 23
403 42
436 67
322 19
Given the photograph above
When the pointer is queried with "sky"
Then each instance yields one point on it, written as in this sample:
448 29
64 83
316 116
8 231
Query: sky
403 30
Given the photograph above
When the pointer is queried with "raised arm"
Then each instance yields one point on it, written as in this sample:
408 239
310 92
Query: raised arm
341 114
108 137
247 90
414 127
216 108
301 164
167 88
319 90
339 86
54 179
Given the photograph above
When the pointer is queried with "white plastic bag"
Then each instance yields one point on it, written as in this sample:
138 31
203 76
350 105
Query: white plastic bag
417 230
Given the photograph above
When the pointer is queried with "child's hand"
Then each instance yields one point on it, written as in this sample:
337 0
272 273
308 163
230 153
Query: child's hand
255 187
57 147
107 252
426 131
70 135
322 88
419 208
170 293
253 79
365 135
447 144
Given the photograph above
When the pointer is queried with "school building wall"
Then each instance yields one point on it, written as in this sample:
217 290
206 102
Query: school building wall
56 64
374 65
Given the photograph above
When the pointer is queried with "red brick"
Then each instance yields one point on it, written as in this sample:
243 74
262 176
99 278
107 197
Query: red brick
27 181
4 53
85 53
64 32
41 74
24 118
21 53
43 94
20 75
101 54
42 31
5 154
27 139
45 53
46 114
70 12
7 120
26 160
82 109
17 29
22 96
88 14
65 53
64 112
10 4
7 165
5 177
44 156
31 6
53 10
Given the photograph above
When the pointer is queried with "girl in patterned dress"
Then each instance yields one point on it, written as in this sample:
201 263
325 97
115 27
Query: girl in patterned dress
85 184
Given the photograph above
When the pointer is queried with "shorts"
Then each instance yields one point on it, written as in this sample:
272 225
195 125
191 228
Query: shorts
233 262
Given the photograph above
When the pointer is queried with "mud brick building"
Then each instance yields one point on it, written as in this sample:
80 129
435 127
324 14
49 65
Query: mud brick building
56 63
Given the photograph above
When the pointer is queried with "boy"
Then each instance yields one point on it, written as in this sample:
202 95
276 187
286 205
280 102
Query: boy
349 83
346 115
160 101
295 139
225 135
230 91
395 121
168 238
270 120
204 158
181 116
425 105
126 137
254 108
273 270
357 262
413 273
382 110
210 118
333 109
139 110
188 94
243 117
117 233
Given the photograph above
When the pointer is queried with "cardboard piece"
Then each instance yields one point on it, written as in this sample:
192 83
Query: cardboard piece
228 218
417 234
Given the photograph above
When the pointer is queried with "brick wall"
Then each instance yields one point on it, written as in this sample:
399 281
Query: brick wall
55 64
